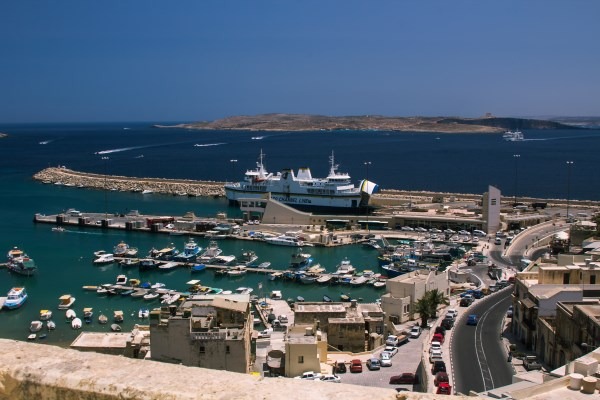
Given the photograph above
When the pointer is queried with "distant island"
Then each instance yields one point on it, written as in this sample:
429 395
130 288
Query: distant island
303 122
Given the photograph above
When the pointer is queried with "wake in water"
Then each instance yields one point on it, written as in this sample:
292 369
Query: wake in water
121 149
559 138
47 141
110 151
208 144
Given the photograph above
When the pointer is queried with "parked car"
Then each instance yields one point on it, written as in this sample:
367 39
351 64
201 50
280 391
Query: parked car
391 350
373 364
447 324
309 375
453 312
435 346
438 366
330 378
472 319
502 283
531 363
340 367
385 359
435 355
509 313
441 376
467 301
392 340
407 229
441 330
420 229
444 388
415 332
404 378
355 366
438 337
265 333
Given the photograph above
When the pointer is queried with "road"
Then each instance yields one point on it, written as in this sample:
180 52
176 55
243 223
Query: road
478 359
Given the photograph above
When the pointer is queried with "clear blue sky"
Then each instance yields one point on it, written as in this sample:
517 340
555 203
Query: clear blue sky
201 60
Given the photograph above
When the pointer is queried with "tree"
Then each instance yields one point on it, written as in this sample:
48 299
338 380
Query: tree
423 308
435 298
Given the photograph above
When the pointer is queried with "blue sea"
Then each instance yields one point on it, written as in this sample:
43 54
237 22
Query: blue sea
465 163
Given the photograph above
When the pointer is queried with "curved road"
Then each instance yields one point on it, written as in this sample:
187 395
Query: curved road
478 358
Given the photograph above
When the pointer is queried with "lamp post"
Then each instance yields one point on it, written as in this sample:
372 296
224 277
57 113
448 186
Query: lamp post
232 168
569 165
105 188
516 157
367 163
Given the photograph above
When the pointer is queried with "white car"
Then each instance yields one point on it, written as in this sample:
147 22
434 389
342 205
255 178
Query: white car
385 360
450 231
407 228
435 230
463 232
435 346
420 229
330 378
435 355
309 375
391 350
452 311
415 332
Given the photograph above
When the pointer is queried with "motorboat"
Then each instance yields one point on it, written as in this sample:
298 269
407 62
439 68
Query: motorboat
36 326
143 313
50 325
327 299
248 257
115 328
324 278
58 229
380 283
308 278
275 275
45 315
157 285
118 316
15 298
344 297
236 271
284 240
300 299
76 323
244 290
65 301
198 268
166 253
151 296
102 290
31 336
316 269
139 293
276 295
88 313
300 260
513 136
191 250
134 282
70 314
170 298
15 252
91 288
100 253
168 266
211 251
107 258
264 265
124 250
148 264
224 260
359 280
121 280
345 267
102 319
129 262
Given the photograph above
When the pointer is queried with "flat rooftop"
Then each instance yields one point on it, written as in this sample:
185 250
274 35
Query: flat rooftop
95 340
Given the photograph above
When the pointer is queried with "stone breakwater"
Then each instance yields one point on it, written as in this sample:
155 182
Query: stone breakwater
65 176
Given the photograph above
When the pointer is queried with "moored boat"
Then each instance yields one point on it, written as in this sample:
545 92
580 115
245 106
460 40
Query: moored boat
45 315
151 295
198 267
248 257
211 251
115 328
36 326
236 271
15 298
76 323
102 319
70 314
50 325
324 278
107 258
143 313
168 266
88 313
23 265
66 301
327 299
129 262
118 316
124 250
191 250
264 265
121 280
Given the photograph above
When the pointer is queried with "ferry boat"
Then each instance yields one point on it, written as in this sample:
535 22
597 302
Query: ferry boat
513 136
302 191
16 297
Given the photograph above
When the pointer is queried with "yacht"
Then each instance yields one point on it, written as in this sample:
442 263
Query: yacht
302 191
285 240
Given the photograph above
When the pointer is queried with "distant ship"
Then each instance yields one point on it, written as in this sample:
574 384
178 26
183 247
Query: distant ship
513 136
302 191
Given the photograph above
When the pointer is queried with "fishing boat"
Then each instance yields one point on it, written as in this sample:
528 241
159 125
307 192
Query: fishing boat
124 250
118 316
129 262
88 313
143 313
345 267
15 298
23 265
302 191
36 326
248 257
45 315
300 260
65 301
191 250
359 280
308 278
102 319
166 253
148 264
14 253
76 323
211 251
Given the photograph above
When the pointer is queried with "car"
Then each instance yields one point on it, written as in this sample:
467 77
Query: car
339 367
265 333
404 378
438 337
498 241
435 346
531 363
385 360
355 366
472 319
502 283
373 364
447 324
453 312
283 319
441 330
391 350
330 378
420 229
467 300
309 376
463 232
435 355
478 294
392 340
449 231
444 388
415 332
440 377
435 230
438 366
407 229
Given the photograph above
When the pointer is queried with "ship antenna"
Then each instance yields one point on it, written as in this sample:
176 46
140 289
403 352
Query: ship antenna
333 166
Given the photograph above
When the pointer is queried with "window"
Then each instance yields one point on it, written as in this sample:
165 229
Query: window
592 279
202 350
227 350
566 278
300 359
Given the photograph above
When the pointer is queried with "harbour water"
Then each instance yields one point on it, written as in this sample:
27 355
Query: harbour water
454 163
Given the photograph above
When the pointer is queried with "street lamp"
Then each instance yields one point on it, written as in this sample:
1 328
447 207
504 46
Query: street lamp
516 157
367 163
232 168
569 165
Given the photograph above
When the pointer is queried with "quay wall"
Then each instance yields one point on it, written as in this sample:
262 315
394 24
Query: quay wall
45 372
387 197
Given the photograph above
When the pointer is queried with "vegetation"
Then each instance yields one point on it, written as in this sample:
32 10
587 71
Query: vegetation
427 305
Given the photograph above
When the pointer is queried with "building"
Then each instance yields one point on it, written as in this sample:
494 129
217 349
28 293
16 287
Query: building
491 209
305 350
205 331
402 292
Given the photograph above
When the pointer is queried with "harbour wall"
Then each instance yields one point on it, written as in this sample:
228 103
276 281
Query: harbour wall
386 197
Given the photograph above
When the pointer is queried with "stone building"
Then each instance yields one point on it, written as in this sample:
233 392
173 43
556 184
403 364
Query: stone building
205 331
305 350
402 292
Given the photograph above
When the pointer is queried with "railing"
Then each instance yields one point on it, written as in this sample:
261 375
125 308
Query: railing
208 335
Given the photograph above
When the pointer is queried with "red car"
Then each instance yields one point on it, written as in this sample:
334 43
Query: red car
355 366
438 337
440 377
444 388
405 378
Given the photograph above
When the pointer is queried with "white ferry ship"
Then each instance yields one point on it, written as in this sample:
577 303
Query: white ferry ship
302 191
513 136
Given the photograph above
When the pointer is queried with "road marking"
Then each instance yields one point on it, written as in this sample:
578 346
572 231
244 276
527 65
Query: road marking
485 369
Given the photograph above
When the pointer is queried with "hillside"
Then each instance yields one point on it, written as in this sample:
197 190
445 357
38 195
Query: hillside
302 122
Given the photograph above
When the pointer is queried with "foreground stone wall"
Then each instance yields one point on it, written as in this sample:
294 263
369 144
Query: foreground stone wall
44 372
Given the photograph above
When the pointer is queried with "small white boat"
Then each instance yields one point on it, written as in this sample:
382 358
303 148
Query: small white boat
51 325
151 296
236 271
118 316
76 323
58 229
139 293
115 328
358 280
143 313
32 336
324 278
104 259
170 298
103 319
100 253
157 285
70 314
244 290
45 315
36 326
264 265
168 266
379 283
122 280
102 290
276 295
226 292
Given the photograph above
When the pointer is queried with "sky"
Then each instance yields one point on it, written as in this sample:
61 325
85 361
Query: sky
84 61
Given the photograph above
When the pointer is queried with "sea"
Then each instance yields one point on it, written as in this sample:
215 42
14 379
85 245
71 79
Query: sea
457 163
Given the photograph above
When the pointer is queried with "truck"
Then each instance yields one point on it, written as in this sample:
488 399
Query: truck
531 363
396 340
